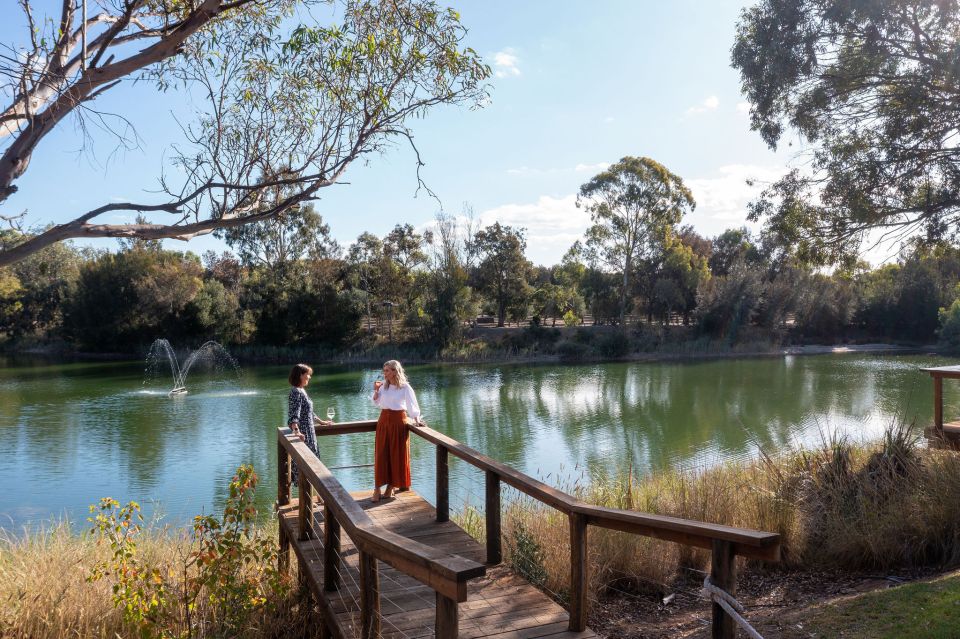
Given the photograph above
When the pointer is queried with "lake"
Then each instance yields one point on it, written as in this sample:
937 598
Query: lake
71 433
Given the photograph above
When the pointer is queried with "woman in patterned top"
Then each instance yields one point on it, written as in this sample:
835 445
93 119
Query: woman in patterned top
300 417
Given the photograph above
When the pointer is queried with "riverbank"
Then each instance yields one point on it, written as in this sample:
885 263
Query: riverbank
512 347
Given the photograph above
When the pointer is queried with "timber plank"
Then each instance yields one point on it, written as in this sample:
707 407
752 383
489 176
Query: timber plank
499 604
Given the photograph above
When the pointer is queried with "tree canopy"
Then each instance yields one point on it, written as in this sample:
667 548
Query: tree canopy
289 106
503 268
631 204
873 88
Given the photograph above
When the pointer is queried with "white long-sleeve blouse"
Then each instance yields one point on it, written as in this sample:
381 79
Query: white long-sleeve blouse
399 398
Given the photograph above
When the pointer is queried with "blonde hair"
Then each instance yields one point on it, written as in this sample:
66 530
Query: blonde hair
398 367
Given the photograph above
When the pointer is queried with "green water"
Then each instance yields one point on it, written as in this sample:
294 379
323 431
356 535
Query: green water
72 433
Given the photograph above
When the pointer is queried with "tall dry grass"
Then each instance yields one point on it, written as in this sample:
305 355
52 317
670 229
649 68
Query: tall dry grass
44 592
891 503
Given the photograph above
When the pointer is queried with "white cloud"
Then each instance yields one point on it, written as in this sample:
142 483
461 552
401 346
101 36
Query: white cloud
505 63
743 107
608 119
552 224
579 168
593 168
722 198
555 223
710 104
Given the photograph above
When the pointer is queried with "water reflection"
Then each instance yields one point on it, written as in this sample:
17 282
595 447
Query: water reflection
73 433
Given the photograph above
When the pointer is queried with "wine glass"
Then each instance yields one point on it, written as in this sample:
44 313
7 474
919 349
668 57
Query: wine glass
331 412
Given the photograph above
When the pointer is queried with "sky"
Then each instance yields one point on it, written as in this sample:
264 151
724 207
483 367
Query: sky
577 85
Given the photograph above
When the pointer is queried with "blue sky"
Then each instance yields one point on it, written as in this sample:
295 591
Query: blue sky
577 86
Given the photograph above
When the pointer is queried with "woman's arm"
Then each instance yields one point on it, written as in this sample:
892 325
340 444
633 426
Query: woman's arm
413 408
294 402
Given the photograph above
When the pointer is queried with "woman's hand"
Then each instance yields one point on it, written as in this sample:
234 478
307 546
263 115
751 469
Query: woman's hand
296 431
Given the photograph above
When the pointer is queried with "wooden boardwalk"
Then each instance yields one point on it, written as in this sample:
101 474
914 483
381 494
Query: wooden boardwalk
400 565
499 604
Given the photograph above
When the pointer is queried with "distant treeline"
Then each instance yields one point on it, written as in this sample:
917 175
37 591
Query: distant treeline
290 285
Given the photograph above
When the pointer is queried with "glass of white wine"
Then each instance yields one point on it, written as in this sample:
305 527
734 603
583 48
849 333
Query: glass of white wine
331 412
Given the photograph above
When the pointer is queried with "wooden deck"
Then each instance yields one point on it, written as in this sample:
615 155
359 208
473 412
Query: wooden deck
499 604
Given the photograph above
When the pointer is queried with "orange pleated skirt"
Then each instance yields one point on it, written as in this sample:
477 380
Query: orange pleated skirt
391 461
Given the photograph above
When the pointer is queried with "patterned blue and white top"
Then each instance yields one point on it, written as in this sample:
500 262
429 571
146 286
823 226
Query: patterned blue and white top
300 412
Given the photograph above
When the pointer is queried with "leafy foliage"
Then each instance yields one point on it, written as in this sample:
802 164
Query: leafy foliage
231 570
872 87
503 270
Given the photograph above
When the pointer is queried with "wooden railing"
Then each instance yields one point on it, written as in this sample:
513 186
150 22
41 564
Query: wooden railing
446 574
725 542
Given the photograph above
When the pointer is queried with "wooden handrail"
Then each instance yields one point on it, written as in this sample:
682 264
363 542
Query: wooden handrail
524 483
347 428
749 543
753 544
445 573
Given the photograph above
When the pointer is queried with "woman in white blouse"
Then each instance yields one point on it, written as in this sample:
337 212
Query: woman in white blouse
399 408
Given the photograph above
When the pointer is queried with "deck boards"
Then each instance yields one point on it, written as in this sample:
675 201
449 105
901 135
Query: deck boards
499 604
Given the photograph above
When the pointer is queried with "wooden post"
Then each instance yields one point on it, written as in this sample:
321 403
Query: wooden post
369 597
938 402
305 512
304 529
723 574
283 498
448 618
443 484
331 550
283 475
578 572
283 557
494 552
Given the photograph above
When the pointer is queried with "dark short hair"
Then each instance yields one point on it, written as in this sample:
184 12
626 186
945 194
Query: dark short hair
297 372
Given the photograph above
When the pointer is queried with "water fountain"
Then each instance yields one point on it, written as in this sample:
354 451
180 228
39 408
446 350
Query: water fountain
210 352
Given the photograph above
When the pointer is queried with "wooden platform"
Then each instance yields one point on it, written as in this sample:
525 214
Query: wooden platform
500 604
947 438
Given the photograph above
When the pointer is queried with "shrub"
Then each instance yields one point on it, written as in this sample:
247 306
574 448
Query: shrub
527 556
572 351
949 332
229 575
615 344
584 336
570 319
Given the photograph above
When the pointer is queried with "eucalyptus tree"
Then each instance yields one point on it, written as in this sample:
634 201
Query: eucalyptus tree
404 248
275 243
448 300
631 204
366 260
872 88
287 105
503 267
